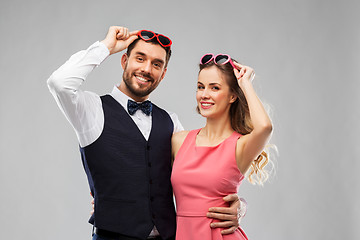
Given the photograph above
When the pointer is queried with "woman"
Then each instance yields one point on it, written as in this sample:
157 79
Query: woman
210 163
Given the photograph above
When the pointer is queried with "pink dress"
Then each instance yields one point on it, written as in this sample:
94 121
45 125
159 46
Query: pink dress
201 177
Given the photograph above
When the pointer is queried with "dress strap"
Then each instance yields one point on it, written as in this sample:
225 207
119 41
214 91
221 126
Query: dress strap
236 135
189 140
191 137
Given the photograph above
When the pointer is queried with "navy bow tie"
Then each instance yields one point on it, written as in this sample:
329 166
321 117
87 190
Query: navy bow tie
146 107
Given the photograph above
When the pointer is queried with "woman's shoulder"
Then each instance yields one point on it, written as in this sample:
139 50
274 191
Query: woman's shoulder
177 140
179 137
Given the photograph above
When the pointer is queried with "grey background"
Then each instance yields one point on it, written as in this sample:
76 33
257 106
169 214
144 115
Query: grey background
306 58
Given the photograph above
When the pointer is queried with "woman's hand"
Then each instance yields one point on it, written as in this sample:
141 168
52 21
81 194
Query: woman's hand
243 73
92 204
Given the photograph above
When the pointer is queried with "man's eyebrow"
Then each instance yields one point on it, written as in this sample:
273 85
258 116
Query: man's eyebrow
159 60
156 59
140 53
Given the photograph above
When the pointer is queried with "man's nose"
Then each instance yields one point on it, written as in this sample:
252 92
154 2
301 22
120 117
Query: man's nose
146 67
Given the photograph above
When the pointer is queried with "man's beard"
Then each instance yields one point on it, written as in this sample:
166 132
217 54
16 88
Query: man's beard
135 91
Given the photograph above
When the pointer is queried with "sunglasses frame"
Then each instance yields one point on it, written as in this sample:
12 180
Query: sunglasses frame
213 57
157 37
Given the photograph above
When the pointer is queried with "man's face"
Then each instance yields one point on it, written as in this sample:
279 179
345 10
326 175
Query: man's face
143 70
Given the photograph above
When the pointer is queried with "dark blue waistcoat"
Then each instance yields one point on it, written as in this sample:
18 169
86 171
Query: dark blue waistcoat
129 177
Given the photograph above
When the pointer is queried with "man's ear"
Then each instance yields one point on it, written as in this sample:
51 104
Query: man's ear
124 60
163 74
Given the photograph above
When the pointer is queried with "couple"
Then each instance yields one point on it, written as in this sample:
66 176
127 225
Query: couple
127 143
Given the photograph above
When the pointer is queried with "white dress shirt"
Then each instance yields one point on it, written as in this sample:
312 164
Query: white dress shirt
83 109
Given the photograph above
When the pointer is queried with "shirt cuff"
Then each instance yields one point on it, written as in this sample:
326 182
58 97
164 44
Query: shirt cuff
243 208
100 50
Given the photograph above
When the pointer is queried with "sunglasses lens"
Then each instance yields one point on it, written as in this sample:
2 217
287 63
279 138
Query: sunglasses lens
205 59
164 40
146 35
221 59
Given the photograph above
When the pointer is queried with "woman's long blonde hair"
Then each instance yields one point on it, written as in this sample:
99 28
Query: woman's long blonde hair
241 123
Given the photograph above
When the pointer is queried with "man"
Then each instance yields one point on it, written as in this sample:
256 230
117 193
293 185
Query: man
125 146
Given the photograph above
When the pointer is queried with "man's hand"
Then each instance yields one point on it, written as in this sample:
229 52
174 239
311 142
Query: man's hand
119 38
229 217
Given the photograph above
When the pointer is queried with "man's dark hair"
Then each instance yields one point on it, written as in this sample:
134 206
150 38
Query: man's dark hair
153 41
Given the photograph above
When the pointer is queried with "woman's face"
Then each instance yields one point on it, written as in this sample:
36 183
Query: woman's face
213 93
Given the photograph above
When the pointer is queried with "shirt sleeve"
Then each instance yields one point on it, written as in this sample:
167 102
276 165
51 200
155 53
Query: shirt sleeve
82 109
178 127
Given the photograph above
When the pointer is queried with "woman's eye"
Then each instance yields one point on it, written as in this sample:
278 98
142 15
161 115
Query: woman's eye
216 88
200 87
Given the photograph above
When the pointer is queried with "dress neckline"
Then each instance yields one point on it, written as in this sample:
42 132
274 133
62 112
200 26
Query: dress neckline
217 145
